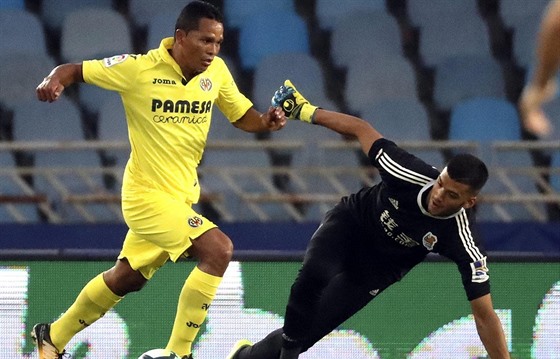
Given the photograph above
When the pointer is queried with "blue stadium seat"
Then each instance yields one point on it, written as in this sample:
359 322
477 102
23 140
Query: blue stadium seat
14 185
112 126
524 40
54 12
453 35
270 33
552 110
92 33
329 12
403 120
389 79
487 120
239 12
484 119
462 77
159 26
307 75
61 121
372 34
20 74
12 4
222 130
21 32
555 177
142 12
422 12
514 11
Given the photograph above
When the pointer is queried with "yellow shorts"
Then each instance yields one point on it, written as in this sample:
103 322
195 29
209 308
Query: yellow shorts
160 228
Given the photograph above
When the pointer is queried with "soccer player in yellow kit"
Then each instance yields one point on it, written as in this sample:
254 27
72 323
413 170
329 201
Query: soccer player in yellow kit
168 95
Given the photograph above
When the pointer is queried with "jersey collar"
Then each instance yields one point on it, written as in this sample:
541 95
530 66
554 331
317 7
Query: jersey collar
424 210
163 51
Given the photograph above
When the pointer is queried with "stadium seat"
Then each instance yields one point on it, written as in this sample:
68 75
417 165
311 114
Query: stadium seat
21 32
524 40
12 4
374 34
14 185
552 110
514 11
421 12
307 76
142 12
270 33
404 120
487 120
231 187
239 12
94 33
222 130
54 13
453 35
329 12
20 74
466 76
159 26
92 97
61 121
112 126
385 79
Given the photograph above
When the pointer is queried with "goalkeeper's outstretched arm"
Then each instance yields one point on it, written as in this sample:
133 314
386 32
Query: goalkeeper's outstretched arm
349 126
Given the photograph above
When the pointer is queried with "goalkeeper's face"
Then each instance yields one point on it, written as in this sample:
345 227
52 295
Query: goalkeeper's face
194 50
448 196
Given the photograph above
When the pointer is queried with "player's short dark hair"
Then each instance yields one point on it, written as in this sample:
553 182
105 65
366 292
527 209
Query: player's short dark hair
469 170
194 11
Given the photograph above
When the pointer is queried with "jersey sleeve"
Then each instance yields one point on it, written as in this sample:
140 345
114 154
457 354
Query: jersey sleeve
398 167
231 101
470 258
116 73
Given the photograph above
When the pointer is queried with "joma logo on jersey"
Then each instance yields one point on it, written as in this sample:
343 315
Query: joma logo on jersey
163 82
181 106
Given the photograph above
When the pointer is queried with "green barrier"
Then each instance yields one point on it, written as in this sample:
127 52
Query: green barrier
426 315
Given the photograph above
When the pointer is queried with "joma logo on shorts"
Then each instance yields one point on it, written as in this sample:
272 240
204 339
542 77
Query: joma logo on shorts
163 82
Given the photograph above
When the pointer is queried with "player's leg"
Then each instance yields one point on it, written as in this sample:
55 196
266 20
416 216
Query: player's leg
213 249
328 254
99 295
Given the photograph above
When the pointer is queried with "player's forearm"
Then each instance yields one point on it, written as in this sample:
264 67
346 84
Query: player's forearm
349 126
67 74
548 46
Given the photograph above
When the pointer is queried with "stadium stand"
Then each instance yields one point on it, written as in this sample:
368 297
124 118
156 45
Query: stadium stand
360 58
93 33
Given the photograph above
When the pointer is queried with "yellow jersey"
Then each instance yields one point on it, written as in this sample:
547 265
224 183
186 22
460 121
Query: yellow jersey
168 118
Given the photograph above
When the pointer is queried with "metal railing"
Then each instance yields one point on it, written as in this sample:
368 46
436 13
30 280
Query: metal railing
91 192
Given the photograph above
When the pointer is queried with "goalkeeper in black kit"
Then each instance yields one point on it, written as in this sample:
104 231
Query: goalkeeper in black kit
372 238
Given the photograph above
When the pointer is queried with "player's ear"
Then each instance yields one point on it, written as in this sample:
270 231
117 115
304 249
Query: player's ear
180 35
470 202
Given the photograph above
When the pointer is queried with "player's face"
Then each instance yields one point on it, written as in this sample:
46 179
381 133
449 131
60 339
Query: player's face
448 196
196 49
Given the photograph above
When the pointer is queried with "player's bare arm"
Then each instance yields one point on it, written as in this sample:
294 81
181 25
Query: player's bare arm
60 77
489 327
254 121
297 107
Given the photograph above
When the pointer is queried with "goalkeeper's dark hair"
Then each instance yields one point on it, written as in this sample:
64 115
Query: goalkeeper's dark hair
194 11
468 169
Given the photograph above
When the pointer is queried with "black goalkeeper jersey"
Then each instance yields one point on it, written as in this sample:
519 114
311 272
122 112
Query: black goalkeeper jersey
398 229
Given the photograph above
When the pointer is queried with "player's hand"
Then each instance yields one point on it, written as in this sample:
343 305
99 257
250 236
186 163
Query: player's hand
49 89
533 117
293 103
274 119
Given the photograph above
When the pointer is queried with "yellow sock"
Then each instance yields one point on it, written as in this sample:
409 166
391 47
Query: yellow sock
92 303
195 298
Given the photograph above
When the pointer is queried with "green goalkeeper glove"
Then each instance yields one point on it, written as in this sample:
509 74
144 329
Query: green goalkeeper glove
293 103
